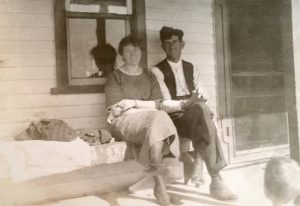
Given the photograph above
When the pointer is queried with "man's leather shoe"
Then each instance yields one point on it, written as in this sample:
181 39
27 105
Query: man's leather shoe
219 190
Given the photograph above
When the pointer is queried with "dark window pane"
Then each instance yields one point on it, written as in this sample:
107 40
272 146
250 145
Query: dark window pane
267 84
258 105
260 130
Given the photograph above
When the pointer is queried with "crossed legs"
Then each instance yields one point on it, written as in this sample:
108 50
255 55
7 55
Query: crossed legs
197 125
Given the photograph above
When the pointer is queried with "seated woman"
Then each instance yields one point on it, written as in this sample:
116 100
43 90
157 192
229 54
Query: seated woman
282 181
128 90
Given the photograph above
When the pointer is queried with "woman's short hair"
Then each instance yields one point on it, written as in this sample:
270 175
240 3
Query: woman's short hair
282 180
128 40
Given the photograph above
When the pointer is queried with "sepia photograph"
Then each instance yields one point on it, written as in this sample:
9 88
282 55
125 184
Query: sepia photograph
149 102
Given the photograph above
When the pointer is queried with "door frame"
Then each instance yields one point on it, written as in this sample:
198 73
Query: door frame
222 56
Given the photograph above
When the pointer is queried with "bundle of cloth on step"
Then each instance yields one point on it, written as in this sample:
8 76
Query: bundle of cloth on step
95 136
48 129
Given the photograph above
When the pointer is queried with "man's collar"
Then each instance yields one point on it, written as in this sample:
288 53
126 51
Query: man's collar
174 64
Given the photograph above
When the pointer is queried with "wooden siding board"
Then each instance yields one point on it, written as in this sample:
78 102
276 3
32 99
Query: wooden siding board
26 87
36 34
27 74
199 38
195 58
297 61
33 46
192 48
194 5
296 20
296 29
46 100
26 6
27 60
200 58
297 44
9 131
155 25
26 20
208 80
60 112
205 70
188 37
178 15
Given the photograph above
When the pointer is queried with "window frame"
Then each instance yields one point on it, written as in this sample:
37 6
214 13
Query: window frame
63 85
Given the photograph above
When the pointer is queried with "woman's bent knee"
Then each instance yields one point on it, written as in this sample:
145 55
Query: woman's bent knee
159 114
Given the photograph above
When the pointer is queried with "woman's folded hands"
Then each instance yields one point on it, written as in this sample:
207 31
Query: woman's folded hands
121 107
127 104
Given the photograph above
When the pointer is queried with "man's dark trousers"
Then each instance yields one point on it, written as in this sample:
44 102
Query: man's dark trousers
195 123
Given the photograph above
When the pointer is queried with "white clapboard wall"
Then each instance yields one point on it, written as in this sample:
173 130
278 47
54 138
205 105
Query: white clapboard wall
296 42
27 60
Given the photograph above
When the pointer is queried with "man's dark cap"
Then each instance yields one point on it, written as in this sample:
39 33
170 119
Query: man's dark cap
167 32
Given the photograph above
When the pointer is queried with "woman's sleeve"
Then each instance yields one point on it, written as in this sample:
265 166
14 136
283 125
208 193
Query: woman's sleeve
155 88
113 90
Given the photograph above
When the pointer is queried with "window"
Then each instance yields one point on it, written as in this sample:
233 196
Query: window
87 33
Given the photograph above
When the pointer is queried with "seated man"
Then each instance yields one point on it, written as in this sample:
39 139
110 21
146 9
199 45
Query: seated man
178 79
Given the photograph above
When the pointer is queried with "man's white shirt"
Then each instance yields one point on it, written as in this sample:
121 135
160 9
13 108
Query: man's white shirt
181 85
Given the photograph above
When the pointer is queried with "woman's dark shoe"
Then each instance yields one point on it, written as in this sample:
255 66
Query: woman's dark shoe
219 190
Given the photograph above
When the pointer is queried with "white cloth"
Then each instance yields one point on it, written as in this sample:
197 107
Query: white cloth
35 158
181 86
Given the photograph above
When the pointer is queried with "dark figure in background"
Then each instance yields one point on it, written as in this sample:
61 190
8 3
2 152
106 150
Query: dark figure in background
105 56
178 80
